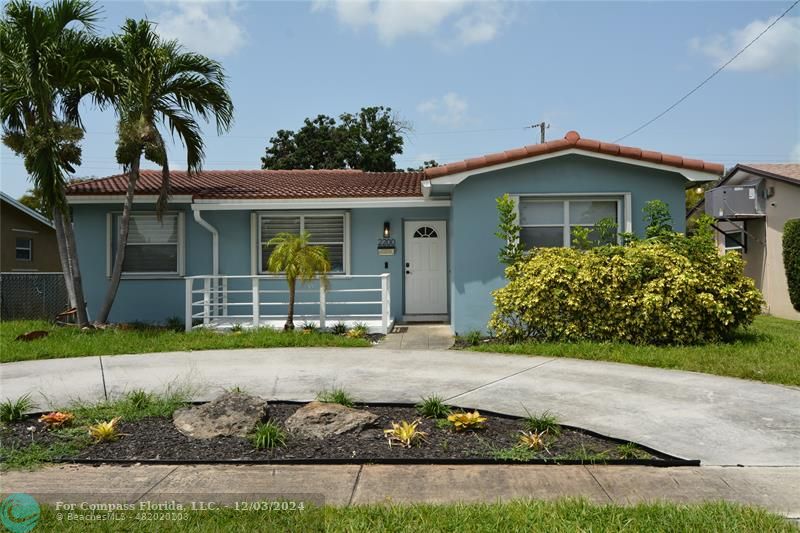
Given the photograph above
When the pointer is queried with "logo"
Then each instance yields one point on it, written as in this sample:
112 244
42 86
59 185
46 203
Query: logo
19 513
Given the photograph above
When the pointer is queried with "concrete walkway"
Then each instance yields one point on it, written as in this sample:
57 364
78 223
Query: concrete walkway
418 337
776 489
721 421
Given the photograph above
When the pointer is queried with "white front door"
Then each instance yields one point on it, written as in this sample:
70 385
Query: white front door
426 267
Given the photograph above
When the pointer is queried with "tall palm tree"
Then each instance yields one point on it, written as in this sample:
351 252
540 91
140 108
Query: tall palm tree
50 60
298 261
159 84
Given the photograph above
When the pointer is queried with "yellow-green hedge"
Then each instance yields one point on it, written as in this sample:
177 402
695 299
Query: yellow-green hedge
667 291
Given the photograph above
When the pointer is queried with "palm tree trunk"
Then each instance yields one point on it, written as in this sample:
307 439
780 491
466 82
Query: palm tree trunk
63 255
290 318
122 241
72 259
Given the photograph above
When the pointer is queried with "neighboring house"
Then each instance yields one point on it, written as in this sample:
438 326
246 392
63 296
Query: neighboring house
751 204
28 239
403 245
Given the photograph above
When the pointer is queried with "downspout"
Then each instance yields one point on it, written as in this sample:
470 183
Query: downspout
214 262
214 239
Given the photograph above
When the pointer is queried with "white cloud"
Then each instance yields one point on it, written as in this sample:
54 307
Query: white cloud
461 21
779 48
449 110
207 27
795 155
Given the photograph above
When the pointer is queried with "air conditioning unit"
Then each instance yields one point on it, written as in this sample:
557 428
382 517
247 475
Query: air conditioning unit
737 201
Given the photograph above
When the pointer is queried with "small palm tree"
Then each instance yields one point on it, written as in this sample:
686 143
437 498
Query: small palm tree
298 260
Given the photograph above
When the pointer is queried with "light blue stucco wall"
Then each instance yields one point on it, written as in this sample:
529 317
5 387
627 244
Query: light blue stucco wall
155 300
474 266
473 272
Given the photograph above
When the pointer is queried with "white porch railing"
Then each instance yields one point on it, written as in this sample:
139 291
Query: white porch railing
264 300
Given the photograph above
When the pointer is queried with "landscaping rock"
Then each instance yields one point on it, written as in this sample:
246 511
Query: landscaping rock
322 420
232 414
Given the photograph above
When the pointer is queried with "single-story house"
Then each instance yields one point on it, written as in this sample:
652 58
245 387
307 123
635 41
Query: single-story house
28 239
752 203
404 246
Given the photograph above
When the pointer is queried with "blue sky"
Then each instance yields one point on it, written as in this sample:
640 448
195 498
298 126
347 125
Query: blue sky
470 76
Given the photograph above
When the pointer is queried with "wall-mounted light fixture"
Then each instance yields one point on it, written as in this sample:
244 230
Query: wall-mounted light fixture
386 245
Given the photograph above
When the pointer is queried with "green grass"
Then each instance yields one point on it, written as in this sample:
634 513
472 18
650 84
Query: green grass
336 395
268 435
559 516
768 351
72 342
433 406
545 422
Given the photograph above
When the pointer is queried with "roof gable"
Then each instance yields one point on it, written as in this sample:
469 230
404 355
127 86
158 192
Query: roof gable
27 210
693 169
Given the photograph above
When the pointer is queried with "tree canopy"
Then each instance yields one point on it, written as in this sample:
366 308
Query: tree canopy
368 140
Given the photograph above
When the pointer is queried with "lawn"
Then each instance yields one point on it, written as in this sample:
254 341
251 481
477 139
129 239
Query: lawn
564 515
72 342
768 351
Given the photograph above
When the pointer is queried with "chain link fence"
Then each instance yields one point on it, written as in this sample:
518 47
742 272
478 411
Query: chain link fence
32 295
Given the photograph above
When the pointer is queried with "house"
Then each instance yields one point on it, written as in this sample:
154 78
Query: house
751 204
404 246
28 239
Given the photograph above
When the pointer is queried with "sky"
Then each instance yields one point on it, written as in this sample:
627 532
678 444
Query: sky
470 76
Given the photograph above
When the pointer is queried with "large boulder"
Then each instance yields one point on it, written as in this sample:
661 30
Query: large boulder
233 414
321 420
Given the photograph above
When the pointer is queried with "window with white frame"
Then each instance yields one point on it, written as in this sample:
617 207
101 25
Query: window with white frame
735 239
549 221
24 249
154 246
326 229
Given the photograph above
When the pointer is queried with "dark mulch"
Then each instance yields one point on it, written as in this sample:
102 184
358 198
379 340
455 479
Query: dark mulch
157 439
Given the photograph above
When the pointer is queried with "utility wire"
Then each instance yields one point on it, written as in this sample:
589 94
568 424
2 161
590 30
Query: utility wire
687 95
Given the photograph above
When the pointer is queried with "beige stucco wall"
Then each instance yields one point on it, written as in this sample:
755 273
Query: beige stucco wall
782 206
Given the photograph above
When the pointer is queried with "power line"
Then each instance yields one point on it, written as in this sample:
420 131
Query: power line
687 95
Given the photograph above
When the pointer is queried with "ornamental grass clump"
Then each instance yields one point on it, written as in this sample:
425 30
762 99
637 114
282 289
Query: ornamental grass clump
668 289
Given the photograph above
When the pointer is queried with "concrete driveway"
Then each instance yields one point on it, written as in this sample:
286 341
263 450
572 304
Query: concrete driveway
721 421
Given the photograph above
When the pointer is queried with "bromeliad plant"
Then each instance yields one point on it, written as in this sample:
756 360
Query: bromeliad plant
105 431
57 419
463 420
533 440
404 433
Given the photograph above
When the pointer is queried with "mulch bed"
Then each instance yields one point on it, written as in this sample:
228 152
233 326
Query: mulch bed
156 439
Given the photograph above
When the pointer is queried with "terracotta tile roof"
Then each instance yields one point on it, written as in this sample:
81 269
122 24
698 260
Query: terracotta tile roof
573 140
265 184
790 171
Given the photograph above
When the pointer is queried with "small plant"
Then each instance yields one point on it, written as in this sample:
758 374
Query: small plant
105 431
630 450
139 399
405 433
15 411
546 422
443 423
514 453
533 440
236 389
338 395
358 331
473 338
433 407
309 327
340 328
464 420
57 419
174 323
237 328
268 435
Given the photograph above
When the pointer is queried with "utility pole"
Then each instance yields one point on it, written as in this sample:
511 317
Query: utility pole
542 126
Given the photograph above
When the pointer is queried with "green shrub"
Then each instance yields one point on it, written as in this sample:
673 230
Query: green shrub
340 328
791 259
670 289
14 411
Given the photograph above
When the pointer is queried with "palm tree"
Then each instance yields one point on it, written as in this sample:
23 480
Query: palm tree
159 84
50 60
298 261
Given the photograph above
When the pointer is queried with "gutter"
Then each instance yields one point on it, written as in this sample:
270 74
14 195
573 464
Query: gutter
214 239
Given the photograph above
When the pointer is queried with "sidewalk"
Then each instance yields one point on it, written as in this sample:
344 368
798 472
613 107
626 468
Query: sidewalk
774 488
